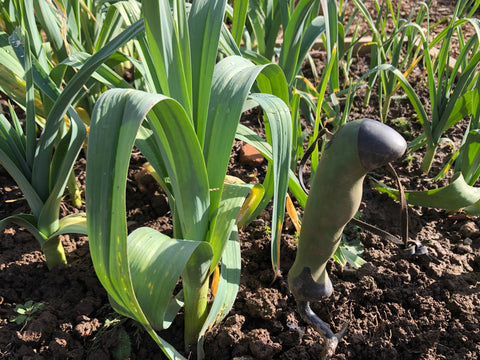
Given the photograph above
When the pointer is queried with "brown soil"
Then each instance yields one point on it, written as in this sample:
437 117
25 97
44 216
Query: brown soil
398 307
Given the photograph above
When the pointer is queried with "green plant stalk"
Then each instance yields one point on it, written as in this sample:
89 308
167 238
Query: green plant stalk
385 107
54 252
427 160
74 190
195 310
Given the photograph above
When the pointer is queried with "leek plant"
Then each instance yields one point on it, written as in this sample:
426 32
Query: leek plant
450 98
461 193
40 154
302 27
326 96
260 21
75 30
185 125
27 160
454 95
399 47
63 35
256 25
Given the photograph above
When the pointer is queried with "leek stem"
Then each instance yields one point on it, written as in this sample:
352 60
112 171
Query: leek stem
74 190
195 312
428 158
54 252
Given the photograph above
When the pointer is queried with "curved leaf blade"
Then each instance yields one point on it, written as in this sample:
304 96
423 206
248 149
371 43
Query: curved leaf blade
458 194
116 120
156 263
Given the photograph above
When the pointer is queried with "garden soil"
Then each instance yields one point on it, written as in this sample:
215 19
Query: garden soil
396 306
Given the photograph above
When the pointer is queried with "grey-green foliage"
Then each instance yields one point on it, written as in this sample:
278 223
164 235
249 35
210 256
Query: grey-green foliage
183 119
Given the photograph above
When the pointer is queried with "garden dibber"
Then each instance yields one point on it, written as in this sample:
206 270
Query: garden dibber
336 192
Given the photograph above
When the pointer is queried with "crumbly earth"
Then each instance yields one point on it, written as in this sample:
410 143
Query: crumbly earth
396 306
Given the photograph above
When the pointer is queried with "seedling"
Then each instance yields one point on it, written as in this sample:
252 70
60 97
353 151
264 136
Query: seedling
25 312
336 191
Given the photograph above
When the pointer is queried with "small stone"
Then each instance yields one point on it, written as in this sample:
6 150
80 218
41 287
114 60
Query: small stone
86 328
469 229
250 156
467 241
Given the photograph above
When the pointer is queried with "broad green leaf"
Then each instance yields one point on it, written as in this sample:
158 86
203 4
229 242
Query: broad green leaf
19 44
170 59
115 122
473 209
466 79
278 121
183 161
13 143
227 43
156 263
50 23
458 194
34 201
30 126
463 107
257 17
111 26
7 56
239 17
72 224
470 157
233 79
204 25
104 74
351 255
62 164
147 144
29 23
